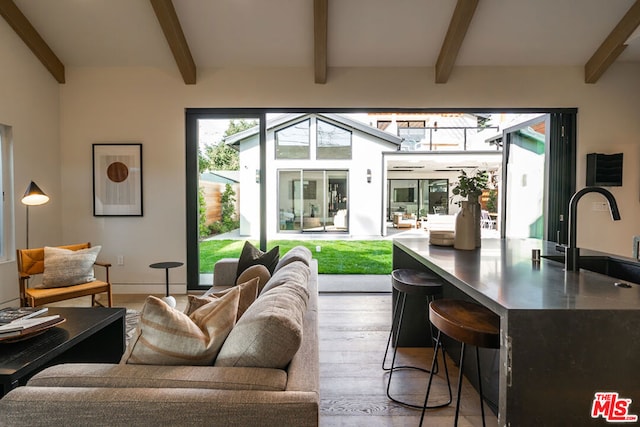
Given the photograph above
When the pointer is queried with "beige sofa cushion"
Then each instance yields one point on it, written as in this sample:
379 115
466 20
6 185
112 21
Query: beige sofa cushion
259 271
166 336
295 272
298 253
269 333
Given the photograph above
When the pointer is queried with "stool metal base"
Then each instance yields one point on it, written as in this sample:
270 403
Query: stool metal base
391 369
460 375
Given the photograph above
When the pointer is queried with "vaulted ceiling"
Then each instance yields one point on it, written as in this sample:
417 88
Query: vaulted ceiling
324 34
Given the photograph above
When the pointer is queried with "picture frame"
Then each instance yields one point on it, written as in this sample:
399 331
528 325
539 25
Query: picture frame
117 179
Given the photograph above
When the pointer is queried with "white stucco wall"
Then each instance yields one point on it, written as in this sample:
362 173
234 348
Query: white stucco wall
29 105
365 204
147 105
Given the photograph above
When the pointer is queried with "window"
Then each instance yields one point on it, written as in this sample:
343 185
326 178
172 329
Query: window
7 193
333 142
293 142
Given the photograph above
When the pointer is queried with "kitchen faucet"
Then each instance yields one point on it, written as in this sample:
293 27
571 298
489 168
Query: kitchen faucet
572 253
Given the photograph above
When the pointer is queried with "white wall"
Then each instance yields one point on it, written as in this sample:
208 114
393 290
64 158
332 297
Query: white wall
365 199
147 105
29 105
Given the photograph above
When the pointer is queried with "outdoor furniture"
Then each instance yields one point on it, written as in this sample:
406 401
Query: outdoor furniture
401 220
486 221
31 262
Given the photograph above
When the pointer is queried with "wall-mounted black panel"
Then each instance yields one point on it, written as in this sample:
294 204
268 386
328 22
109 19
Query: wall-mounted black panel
604 170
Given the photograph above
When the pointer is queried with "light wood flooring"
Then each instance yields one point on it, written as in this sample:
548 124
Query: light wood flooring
353 333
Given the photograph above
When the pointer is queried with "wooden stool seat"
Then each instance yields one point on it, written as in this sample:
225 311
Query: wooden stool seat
469 323
466 322
414 282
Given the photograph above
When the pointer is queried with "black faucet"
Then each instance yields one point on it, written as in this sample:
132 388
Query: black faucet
572 253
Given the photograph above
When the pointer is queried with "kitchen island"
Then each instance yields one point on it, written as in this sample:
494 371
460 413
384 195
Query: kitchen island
565 336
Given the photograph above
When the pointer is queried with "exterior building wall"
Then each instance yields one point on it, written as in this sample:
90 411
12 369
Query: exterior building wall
365 202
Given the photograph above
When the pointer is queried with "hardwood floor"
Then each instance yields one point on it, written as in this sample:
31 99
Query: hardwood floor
353 333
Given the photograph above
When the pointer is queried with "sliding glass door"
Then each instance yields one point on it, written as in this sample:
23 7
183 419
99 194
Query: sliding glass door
214 194
312 200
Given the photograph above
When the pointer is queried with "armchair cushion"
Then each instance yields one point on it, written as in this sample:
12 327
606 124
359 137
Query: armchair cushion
65 267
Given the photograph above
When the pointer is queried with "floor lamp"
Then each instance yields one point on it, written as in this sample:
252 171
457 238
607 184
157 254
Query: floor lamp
34 196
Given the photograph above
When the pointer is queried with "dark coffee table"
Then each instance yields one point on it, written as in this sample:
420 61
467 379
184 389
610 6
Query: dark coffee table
90 335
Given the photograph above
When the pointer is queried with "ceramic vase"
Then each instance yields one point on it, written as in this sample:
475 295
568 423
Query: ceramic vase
477 215
465 237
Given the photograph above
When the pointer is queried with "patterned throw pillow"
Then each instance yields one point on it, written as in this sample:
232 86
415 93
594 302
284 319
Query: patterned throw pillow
166 336
251 256
248 294
64 267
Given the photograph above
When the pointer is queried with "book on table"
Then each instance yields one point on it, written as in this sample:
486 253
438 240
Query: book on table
9 314
28 326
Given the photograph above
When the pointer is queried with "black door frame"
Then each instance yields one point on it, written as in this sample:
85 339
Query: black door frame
561 180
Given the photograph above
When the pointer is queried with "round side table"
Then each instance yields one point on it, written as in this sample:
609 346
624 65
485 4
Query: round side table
171 301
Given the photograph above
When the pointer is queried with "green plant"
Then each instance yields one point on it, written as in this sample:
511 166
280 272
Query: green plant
228 202
470 186
492 202
203 230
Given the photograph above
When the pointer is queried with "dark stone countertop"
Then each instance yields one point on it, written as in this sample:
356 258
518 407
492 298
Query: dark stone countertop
502 276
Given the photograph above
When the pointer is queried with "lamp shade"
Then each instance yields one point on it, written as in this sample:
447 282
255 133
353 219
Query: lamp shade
34 195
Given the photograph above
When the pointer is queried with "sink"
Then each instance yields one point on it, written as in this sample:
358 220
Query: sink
609 266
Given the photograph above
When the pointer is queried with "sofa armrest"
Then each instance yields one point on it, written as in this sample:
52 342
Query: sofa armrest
224 272
99 406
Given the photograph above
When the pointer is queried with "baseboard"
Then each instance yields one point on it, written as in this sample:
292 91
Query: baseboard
149 288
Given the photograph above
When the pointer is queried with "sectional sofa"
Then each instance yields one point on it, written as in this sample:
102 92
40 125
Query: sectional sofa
139 395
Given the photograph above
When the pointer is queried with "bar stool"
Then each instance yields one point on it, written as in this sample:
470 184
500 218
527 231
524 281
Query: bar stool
418 283
468 323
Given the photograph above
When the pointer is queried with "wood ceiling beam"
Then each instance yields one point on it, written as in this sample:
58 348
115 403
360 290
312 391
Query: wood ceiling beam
320 25
21 25
456 32
613 45
168 19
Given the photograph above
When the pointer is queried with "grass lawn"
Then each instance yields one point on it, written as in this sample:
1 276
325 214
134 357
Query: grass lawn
335 257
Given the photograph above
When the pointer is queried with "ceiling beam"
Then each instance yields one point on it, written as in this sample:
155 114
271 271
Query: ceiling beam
320 24
21 25
168 19
613 45
458 27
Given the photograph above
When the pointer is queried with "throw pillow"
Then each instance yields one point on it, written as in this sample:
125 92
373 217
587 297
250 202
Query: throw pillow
295 272
298 253
259 271
64 267
166 336
248 294
251 256
270 332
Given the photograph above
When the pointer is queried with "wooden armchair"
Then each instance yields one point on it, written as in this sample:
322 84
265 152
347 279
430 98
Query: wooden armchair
31 262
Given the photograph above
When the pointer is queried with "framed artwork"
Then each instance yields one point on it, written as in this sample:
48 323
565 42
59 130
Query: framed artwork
117 179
